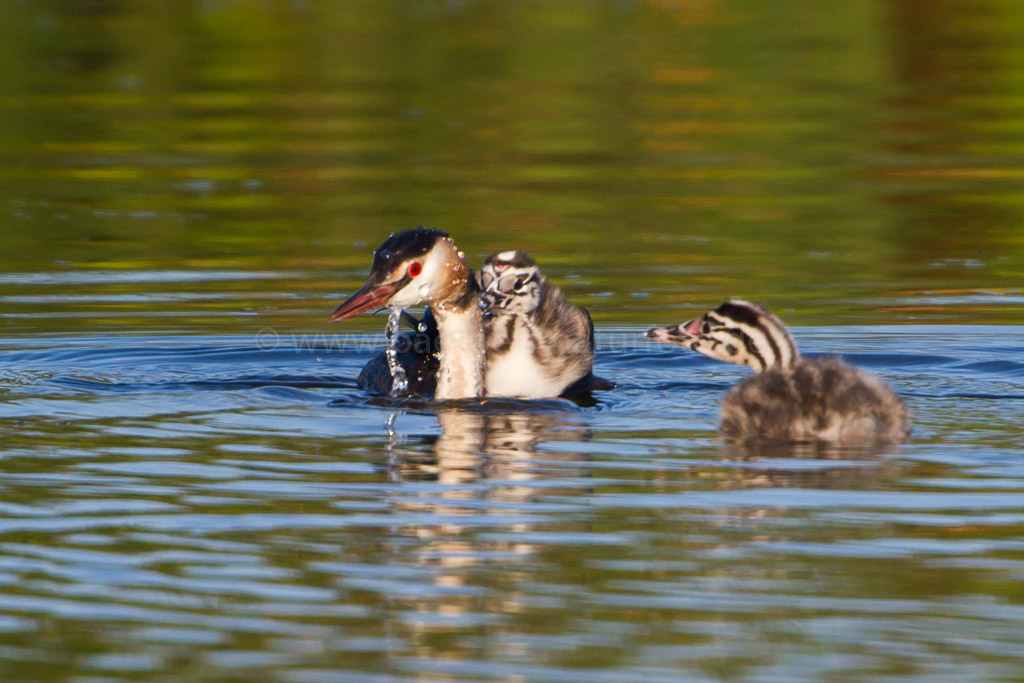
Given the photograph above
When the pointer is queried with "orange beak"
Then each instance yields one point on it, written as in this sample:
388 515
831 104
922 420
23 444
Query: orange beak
368 297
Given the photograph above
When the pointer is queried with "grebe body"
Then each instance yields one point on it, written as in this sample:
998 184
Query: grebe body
791 398
538 344
517 338
423 266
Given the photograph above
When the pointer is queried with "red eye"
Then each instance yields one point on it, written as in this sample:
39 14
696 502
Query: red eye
415 268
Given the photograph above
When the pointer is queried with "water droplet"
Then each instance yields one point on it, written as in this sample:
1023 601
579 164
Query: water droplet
399 382
424 290
462 254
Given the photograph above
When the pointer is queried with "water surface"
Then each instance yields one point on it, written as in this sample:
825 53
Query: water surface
193 487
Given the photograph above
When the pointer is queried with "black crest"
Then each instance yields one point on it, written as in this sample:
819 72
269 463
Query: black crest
402 246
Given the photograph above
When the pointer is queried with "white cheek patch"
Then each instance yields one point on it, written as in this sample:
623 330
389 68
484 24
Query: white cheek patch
420 288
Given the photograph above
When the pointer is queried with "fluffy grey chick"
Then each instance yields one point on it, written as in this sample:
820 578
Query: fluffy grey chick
790 399
538 344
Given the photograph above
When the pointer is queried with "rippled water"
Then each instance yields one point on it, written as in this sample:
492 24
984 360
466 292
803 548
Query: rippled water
193 488
197 504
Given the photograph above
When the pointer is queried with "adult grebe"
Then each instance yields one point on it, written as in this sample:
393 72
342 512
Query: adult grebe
423 266
449 346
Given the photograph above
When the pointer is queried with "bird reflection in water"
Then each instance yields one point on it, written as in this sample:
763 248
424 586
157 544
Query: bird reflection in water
484 490
485 442
474 494
806 465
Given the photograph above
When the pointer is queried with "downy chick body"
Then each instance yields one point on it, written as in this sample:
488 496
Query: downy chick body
538 344
791 398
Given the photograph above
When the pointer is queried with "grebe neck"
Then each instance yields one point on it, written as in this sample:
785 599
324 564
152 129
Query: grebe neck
463 351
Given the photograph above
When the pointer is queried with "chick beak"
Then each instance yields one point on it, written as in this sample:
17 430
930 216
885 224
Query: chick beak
369 296
692 327
488 299
677 334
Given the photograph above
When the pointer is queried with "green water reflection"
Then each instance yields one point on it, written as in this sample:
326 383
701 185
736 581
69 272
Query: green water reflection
851 161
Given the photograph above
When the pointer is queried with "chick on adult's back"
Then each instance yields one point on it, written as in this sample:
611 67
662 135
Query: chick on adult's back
791 398
538 344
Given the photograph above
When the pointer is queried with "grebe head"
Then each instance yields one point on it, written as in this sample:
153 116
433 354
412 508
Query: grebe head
413 267
511 283
735 332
